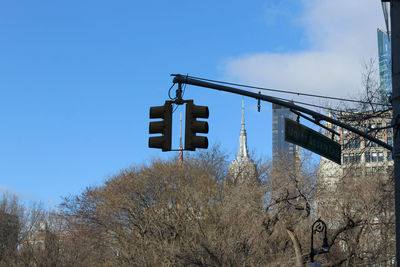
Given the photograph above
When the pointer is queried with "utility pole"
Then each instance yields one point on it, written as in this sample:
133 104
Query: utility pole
395 38
180 141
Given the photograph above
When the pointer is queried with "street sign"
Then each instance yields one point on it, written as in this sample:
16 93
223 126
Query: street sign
314 141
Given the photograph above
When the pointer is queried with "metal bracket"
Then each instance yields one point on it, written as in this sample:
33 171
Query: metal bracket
316 121
178 93
180 101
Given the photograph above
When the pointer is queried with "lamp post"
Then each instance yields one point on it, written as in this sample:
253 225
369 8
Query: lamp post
318 226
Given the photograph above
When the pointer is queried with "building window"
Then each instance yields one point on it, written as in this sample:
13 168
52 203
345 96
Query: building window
367 143
345 144
345 158
379 125
367 157
374 157
388 130
352 143
351 157
389 141
389 156
357 143
370 144
380 156
358 157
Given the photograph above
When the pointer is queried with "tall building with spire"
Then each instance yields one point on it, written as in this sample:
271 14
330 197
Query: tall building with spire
243 169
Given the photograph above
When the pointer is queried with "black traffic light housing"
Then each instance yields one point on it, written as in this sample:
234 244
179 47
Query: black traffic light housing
193 126
163 127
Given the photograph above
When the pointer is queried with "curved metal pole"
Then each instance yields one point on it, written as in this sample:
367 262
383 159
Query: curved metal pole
312 244
178 78
317 227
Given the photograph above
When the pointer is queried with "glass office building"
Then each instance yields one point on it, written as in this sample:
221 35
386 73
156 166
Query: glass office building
280 147
385 64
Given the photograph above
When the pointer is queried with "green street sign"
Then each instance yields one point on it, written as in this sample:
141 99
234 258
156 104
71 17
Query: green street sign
314 141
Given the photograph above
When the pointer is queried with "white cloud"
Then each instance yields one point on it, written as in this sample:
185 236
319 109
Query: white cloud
6 190
342 36
26 198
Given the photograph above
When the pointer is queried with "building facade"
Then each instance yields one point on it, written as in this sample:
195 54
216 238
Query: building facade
359 156
243 169
348 190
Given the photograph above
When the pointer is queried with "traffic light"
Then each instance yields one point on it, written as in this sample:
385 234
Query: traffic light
193 126
163 127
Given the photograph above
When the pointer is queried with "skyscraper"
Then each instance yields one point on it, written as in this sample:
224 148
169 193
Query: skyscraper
281 148
243 169
385 64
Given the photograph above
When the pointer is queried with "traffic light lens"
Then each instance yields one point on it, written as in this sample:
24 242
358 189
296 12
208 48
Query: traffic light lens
200 142
200 112
156 127
156 142
200 126
157 112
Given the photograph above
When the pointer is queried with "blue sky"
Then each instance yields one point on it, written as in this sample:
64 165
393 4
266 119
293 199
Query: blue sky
77 78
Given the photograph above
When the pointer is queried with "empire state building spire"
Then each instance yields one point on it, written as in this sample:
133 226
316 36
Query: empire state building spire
242 169
243 152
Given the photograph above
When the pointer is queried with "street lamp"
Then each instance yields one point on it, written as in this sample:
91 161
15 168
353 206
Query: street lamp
318 226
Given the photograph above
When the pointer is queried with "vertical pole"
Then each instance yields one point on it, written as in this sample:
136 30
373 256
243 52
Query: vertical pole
180 142
312 244
395 32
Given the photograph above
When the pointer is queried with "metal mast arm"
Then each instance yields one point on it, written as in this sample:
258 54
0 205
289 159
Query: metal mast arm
182 79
